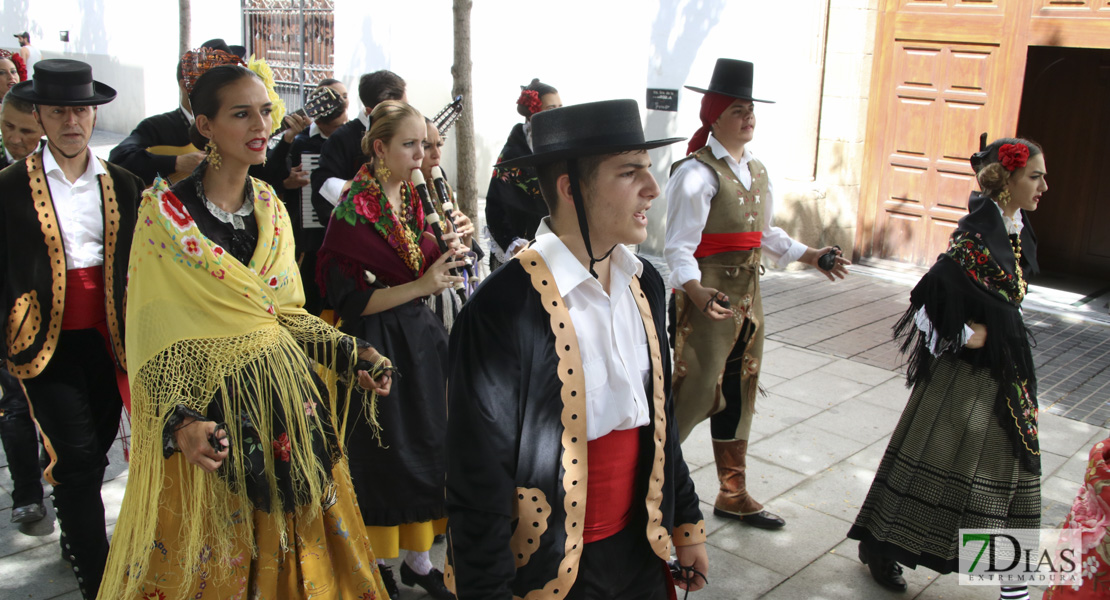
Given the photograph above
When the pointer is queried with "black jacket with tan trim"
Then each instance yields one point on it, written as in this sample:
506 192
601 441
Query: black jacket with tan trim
516 472
33 261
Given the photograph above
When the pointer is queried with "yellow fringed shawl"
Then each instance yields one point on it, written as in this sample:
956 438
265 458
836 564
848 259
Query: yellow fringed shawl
199 323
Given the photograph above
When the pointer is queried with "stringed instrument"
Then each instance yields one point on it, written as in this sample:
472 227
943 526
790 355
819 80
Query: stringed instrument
321 103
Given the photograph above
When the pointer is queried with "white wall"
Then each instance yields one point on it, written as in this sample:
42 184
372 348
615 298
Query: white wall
588 49
592 50
131 45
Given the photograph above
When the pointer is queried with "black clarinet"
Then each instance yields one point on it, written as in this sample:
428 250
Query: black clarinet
439 182
432 217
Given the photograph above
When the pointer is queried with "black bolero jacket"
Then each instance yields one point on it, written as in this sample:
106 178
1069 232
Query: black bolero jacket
33 263
516 473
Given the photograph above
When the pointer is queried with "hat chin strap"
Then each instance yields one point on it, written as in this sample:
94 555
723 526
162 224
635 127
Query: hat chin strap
580 210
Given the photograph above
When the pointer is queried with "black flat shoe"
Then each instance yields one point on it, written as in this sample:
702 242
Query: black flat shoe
389 582
29 513
432 582
887 573
761 519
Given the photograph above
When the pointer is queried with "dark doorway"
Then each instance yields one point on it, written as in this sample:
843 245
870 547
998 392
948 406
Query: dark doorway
1065 107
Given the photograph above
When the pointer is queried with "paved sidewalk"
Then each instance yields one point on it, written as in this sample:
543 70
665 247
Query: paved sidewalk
832 403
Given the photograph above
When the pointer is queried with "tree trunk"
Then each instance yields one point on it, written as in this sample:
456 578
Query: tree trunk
185 21
467 185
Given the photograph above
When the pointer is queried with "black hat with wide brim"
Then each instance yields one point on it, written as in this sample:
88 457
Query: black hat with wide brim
63 82
732 78
590 129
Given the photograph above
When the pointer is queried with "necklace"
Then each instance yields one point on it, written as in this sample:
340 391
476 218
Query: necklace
1015 243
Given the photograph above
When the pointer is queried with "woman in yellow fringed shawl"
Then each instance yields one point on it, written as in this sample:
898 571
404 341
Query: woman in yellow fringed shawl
261 505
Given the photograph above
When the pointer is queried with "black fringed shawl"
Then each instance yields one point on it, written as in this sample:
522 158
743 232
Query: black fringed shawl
975 280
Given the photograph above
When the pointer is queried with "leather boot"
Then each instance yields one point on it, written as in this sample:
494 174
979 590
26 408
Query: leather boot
733 500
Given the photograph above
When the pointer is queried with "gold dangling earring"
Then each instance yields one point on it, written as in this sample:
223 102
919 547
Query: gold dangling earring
1004 198
382 172
213 154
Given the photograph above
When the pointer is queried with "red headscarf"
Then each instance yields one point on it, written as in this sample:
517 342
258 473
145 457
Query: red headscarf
712 105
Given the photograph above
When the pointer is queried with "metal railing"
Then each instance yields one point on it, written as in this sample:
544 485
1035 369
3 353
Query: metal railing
297 40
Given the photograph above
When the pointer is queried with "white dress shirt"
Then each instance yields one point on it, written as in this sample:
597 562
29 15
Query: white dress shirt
611 337
690 192
79 209
332 189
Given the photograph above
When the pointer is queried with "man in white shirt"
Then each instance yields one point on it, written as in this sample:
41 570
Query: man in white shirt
565 477
30 54
341 156
719 222
66 224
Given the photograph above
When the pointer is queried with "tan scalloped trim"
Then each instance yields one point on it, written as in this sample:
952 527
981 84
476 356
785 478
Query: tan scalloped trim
48 221
689 534
111 232
531 512
24 322
657 534
573 418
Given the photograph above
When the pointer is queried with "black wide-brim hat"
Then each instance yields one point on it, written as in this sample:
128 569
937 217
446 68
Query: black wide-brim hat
732 78
63 82
589 129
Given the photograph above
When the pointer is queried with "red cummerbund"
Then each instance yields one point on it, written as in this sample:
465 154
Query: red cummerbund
84 298
716 243
611 483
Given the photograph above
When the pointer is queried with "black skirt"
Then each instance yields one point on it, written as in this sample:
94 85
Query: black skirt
401 478
949 466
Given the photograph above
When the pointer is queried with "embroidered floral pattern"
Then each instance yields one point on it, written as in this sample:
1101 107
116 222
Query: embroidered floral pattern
191 245
174 210
976 259
365 203
282 447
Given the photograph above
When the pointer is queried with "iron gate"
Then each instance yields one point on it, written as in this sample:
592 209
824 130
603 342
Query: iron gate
296 38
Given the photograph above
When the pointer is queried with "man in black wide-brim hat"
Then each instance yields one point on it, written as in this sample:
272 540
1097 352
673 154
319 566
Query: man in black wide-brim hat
66 220
719 225
565 474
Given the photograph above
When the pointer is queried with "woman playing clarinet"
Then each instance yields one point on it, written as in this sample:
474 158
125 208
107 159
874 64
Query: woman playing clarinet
378 265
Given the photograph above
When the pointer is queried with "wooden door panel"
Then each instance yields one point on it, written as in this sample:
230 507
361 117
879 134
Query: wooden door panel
940 92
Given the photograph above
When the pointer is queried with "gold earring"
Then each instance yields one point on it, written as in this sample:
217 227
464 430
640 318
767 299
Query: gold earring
213 154
1003 198
382 171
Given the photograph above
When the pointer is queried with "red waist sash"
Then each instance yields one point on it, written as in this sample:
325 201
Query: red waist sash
84 298
85 309
716 243
611 483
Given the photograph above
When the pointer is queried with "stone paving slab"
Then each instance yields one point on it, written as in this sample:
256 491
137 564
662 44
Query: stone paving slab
805 448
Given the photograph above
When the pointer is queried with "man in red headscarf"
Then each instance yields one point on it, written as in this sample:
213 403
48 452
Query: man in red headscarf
719 214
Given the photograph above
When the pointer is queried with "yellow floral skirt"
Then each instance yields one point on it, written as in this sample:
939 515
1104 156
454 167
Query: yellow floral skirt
388 542
330 557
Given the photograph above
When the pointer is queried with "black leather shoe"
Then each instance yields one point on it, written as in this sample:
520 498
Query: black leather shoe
761 519
29 513
432 582
885 572
389 582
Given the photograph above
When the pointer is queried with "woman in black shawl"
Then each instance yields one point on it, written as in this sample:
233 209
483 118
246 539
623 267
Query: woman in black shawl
514 206
965 454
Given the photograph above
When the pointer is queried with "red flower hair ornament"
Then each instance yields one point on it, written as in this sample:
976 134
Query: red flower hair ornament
530 99
1013 156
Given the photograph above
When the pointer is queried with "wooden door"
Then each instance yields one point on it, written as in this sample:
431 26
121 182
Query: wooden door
944 74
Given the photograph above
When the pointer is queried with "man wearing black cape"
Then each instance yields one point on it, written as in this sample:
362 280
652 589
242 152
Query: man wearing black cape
565 474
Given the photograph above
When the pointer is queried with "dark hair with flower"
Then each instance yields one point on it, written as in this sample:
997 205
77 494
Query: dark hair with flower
17 60
1013 156
531 96
997 162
